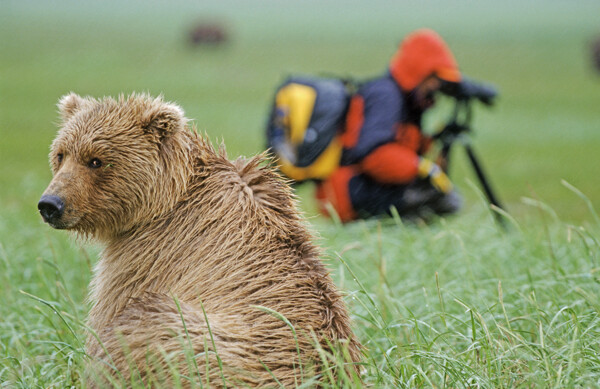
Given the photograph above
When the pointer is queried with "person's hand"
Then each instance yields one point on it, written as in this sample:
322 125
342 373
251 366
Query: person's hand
438 179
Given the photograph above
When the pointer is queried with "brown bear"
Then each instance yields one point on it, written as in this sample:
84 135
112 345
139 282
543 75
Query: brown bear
207 270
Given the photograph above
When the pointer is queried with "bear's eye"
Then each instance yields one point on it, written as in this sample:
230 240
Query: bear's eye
95 163
59 157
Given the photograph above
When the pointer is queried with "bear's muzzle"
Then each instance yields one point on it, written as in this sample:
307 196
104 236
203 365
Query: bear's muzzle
51 208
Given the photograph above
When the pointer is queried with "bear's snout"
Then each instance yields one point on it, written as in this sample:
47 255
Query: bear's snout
51 208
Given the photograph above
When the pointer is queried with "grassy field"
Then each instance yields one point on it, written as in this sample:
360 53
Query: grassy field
459 303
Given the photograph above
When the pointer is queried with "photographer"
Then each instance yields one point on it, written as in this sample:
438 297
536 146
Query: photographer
382 164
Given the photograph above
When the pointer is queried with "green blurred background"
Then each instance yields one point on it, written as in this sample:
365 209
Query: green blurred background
544 128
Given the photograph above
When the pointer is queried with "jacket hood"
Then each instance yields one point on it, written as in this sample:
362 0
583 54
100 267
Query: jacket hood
421 54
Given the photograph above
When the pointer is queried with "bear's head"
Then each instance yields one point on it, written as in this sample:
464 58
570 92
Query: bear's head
116 164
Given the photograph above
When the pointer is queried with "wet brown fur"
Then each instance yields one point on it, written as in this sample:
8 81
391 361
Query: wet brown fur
182 224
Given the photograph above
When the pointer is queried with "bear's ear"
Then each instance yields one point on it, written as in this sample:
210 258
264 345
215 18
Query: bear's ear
163 120
69 104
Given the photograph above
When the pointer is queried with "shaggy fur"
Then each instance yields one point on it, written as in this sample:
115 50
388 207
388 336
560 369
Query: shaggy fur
183 225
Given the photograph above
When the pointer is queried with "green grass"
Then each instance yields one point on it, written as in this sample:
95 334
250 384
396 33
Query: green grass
455 304
460 303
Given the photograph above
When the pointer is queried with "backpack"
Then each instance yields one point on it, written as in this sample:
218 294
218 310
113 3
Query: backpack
303 130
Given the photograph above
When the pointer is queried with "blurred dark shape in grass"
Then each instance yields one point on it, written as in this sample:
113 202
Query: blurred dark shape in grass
595 51
209 33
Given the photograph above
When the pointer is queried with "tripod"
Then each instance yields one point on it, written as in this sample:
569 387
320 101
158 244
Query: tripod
457 129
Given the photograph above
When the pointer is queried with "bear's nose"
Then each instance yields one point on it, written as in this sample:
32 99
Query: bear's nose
51 208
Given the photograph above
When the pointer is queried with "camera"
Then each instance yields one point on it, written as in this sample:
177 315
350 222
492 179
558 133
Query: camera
468 89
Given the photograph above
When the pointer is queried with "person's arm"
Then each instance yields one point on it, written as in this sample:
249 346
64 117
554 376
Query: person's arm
391 163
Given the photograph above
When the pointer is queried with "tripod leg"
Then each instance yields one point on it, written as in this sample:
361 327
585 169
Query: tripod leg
484 182
443 159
